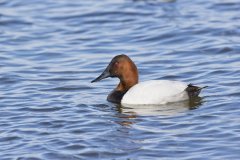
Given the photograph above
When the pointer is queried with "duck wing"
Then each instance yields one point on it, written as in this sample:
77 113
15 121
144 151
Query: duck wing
156 92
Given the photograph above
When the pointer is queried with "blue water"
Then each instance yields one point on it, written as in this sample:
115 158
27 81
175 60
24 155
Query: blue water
51 50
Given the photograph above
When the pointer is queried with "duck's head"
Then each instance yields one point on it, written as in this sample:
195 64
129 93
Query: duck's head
122 67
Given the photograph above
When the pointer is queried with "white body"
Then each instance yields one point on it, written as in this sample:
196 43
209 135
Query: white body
156 92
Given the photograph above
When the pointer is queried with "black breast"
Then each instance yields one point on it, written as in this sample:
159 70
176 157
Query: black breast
116 96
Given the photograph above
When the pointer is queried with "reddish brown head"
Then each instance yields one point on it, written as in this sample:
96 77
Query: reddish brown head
122 67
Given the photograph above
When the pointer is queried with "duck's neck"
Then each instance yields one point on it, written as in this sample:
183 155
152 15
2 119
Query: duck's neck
127 81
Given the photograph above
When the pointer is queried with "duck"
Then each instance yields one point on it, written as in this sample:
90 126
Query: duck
153 92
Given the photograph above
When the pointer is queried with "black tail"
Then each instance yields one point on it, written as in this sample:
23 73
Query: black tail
194 91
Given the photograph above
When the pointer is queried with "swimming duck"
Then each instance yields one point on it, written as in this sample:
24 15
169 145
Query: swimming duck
129 91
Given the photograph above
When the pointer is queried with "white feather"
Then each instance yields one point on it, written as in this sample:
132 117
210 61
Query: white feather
156 92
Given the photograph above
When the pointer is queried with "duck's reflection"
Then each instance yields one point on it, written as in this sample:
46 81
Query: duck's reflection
127 135
124 119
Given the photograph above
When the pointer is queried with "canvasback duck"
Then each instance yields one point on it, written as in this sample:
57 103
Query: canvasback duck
129 91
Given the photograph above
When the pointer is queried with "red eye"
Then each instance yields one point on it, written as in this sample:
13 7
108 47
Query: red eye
116 63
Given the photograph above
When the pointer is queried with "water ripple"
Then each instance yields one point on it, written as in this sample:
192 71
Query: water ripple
51 50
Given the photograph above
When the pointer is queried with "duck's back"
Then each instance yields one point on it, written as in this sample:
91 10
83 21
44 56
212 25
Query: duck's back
156 92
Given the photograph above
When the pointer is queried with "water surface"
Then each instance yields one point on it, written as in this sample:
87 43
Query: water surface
51 50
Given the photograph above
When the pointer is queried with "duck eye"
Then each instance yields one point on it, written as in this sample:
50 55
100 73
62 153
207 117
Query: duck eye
116 63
